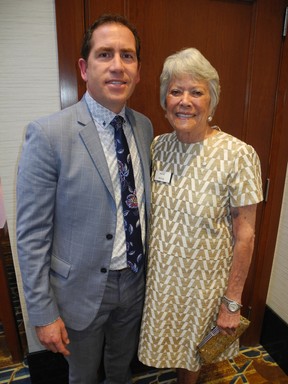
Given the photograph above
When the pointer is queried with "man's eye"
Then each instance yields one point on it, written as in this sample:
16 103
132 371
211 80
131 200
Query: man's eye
104 54
128 56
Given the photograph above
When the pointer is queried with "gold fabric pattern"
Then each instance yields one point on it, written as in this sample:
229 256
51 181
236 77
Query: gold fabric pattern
191 242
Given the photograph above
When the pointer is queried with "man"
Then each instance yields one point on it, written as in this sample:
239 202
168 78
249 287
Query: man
83 294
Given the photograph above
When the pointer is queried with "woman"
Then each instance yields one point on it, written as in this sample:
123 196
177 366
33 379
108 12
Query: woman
206 185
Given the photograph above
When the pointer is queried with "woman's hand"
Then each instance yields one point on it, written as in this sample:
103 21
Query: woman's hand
228 321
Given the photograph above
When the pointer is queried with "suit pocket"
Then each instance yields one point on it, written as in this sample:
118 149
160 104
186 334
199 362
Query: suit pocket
60 267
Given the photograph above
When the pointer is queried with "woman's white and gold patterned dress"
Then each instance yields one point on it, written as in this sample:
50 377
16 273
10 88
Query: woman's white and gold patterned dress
191 242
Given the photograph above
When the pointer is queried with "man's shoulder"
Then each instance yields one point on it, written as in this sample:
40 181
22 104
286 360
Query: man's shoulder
66 113
131 113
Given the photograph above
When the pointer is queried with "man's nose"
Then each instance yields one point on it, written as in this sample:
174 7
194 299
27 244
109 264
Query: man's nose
117 63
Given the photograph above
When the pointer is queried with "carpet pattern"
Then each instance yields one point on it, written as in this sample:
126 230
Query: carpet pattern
18 373
252 365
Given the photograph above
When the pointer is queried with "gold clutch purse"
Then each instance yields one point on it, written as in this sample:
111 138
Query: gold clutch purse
214 343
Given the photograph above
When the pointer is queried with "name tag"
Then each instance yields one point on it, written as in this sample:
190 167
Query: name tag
163 176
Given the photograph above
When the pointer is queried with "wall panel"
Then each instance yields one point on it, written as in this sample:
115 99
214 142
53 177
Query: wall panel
29 89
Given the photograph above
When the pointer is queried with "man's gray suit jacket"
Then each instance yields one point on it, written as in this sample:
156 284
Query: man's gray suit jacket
66 214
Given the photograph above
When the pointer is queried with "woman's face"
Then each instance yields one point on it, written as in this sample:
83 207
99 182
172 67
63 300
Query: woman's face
188 108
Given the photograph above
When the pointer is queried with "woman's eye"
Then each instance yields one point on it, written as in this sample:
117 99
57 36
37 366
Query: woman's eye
175 92
196 93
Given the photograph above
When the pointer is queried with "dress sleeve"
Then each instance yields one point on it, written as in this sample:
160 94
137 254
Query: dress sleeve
245 183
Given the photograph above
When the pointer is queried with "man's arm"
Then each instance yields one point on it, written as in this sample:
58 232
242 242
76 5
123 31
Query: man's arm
36 189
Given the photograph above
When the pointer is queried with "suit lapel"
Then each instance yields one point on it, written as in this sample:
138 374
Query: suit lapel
91 140
138 135
138 132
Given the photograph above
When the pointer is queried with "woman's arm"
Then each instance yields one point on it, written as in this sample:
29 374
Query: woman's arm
243 219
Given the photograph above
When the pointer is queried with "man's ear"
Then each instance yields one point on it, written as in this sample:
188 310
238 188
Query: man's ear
83 68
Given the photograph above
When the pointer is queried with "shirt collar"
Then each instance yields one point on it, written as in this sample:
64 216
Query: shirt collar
100 114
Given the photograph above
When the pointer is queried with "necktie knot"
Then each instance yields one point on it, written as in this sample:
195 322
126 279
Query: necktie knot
117 122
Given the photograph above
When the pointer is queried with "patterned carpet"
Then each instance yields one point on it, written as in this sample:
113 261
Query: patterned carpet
15 374
252 365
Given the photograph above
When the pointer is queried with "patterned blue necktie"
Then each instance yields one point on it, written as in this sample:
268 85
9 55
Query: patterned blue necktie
132 226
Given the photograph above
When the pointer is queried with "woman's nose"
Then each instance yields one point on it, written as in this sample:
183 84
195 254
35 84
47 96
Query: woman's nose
185 99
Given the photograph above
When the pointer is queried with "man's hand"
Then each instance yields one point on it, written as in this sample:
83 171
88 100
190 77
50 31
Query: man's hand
54 337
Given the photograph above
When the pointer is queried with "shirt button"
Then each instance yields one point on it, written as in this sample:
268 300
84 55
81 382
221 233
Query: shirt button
103 270
109 236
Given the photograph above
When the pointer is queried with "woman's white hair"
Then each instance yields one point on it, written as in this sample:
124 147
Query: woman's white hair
191 62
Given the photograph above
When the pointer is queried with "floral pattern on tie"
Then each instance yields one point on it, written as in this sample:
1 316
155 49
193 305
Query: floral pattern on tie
129 200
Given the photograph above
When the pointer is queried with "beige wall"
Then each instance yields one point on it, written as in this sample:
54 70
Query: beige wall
277 298
29 87
2 208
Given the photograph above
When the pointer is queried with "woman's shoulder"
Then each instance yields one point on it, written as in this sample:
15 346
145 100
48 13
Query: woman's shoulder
232 143
165 137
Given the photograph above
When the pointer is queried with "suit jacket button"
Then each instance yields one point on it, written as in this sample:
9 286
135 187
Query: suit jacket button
109 236
103 270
